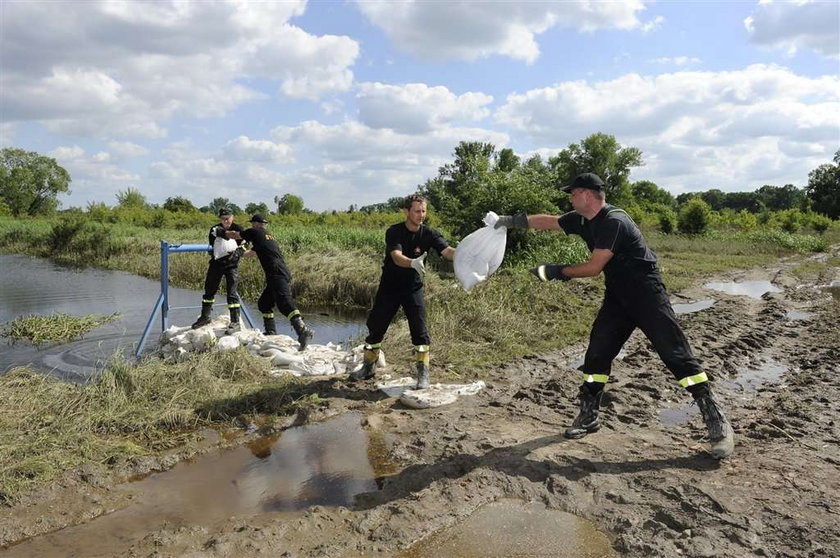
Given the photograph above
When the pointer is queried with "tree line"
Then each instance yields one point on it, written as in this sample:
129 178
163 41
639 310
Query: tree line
479 178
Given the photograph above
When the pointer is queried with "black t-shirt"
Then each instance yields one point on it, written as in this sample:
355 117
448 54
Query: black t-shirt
268 251
612 229
218 231
412 245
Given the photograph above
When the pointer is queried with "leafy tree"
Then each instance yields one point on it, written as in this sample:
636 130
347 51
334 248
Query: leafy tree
131 198
602 154
751 201
715 198
823 188
790 220
694 217
219 203
252 208
507 160
289 204
30 183
647 192
177 204
775 198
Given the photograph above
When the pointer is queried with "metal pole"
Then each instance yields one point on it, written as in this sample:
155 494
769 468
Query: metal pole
148 326
164 284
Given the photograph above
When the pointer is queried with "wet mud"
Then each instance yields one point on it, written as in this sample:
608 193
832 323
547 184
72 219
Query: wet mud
643 486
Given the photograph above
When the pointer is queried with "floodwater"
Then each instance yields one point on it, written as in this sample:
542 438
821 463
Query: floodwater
752 289
37 286
689 308
511 527
326 464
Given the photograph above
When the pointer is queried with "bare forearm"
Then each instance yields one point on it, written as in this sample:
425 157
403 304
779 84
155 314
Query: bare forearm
543 222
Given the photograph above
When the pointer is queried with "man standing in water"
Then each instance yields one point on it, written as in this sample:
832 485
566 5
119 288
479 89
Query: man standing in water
277 290
224 262
401 285
635 297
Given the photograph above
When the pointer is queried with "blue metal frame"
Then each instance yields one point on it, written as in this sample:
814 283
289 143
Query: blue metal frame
162 303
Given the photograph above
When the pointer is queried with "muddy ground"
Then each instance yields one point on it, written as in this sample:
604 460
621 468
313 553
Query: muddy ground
645 479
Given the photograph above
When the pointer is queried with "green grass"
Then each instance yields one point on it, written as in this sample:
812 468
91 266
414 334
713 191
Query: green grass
54 328
48 426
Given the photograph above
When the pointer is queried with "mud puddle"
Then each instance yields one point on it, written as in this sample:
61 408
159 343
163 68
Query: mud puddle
324 464
689 308
748 381
799 315
515 528
752 289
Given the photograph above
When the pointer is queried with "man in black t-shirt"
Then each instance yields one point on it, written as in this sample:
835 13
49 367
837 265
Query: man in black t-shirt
635 297
277 281
401 285
224 262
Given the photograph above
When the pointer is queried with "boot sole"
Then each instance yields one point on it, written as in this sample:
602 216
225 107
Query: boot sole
577 434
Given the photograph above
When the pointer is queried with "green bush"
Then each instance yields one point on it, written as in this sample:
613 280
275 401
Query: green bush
694 217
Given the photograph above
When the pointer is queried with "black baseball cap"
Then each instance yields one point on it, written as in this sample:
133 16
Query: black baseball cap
258 218
586 180
225 212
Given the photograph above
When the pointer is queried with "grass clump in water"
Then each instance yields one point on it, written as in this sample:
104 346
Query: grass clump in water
54 328
48 426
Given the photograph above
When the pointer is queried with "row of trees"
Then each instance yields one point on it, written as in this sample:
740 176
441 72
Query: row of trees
480 177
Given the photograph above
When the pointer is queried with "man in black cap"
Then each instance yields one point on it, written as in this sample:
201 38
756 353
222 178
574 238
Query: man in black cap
277 280
634 297
224 262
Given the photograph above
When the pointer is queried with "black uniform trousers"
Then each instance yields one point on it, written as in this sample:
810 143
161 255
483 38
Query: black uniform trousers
385 306
276 292
638 300
215 272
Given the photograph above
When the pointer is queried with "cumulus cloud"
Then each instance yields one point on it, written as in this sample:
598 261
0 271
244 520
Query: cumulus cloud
801 24
245 149
685 121
123 68
470 30
127 149
417 108
676 60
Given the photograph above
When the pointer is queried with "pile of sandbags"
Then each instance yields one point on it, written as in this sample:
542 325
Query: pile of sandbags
176 343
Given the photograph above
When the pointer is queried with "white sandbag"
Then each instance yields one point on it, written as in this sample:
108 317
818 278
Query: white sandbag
286 359
437 395
173 331
395 388
223 247
228 343
480 253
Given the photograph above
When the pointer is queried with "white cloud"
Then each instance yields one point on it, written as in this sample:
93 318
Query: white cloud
676 60
245 149
416 108
796 25
127 149
702 129
125 68
471 30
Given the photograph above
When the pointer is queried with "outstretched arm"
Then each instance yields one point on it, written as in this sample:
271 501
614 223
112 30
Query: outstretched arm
600 257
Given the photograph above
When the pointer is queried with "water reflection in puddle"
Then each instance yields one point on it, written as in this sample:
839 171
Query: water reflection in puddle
833 289
752 289
688 308
320 464
515 528
799 315
747 381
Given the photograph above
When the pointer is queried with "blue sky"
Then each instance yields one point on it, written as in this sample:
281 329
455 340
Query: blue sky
356 102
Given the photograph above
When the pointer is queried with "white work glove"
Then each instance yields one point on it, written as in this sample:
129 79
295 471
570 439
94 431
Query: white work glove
419 264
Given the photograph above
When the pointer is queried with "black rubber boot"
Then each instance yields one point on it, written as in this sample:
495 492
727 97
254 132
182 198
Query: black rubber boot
587 420
721 436
234 321
204 319
269 326
365 371
421 365
304 334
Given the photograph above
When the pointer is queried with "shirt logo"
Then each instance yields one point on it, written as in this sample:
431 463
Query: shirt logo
269 237
417 250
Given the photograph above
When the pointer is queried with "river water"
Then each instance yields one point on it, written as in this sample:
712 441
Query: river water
36 286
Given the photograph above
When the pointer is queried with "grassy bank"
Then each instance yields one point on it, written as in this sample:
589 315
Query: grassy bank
48 426
54 328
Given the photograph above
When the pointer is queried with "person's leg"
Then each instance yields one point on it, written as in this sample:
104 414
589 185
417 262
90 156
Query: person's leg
211 286
232 284
611 329
265 304
282 293
385 306
656 318
414 307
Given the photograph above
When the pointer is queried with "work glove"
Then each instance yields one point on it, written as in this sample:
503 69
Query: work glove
550 272
518 221
236 254
419 264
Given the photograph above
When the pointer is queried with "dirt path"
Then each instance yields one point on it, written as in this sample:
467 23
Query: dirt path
644 479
